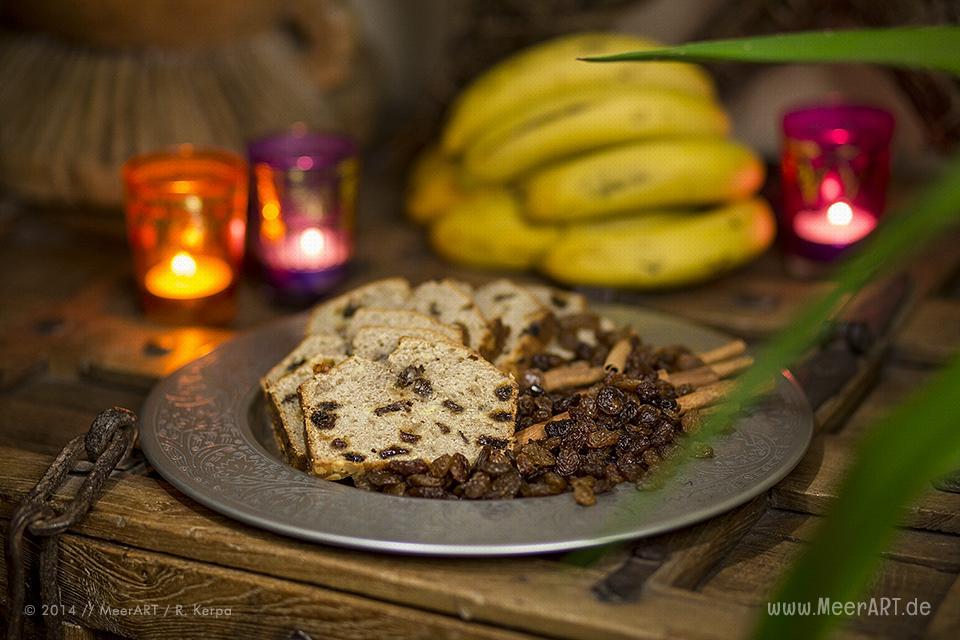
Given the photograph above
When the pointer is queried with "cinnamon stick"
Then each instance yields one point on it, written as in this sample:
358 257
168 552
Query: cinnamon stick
537 431
572 375
723 352
708 374
617 358
705 396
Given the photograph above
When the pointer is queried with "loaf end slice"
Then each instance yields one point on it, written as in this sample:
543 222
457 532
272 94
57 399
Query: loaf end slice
333 315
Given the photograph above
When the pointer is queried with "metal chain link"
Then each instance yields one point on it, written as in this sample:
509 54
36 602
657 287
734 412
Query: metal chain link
94 454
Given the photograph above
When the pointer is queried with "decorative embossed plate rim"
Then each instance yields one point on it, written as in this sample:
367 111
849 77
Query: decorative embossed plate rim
205 431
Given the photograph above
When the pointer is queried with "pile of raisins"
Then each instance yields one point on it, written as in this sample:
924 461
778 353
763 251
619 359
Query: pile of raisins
616 431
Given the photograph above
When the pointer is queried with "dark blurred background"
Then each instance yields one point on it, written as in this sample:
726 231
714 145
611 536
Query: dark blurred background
88 84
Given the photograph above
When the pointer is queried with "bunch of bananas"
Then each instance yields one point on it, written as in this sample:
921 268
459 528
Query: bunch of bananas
617 174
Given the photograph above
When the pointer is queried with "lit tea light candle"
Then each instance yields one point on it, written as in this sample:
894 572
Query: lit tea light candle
834 172
303 198
185 277
186 222
839 224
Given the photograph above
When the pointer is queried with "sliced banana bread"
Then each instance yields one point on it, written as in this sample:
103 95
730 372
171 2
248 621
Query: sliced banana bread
428 398
310 347
526 324
400 318
333 315
452 303
376 342
284 405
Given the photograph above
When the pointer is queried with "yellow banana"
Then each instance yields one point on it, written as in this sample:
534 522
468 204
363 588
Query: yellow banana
434 187
644 175
551 68
581 121
663 249
487 231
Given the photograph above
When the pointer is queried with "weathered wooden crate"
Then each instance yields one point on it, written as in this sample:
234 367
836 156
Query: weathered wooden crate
73 343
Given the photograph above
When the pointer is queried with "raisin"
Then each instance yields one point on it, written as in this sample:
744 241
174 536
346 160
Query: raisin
651 457
583 491
408 467
568 461
610 400
338 443
648 414
424 480
505 486
409 375
354 457
410 438
490 441
501 416
423 388
554 481
443 428
576 435
322 419
459 467
441 465
503 393
559 428
525 465
538 455
400 405
602 438
495 464
296 363
477 486
351 308
702 450
452 406
396 489
383 477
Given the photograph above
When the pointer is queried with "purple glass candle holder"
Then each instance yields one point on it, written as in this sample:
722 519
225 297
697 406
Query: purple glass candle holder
834 169
304 187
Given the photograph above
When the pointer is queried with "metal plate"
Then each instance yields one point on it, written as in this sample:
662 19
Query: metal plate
205 430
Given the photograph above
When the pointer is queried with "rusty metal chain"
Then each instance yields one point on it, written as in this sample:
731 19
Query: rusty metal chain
94 454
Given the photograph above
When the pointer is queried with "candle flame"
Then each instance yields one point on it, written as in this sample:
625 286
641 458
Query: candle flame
840 214
312 242
183 264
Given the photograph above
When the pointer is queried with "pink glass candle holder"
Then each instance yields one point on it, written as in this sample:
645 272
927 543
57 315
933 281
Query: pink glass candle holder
835 169
302 210
186 222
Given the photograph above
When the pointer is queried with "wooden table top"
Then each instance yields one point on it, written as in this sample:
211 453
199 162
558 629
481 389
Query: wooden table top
73 342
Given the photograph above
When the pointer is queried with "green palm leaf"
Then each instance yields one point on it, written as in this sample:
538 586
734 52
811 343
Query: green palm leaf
926 47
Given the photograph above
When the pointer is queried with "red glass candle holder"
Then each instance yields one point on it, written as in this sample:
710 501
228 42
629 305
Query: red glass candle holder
302 210
186 222
835 169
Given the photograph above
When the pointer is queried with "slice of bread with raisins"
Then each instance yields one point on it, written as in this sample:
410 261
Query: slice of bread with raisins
283 403
309 347
333 315
452 303
428 398
560 301
525 324
376 342
400 318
